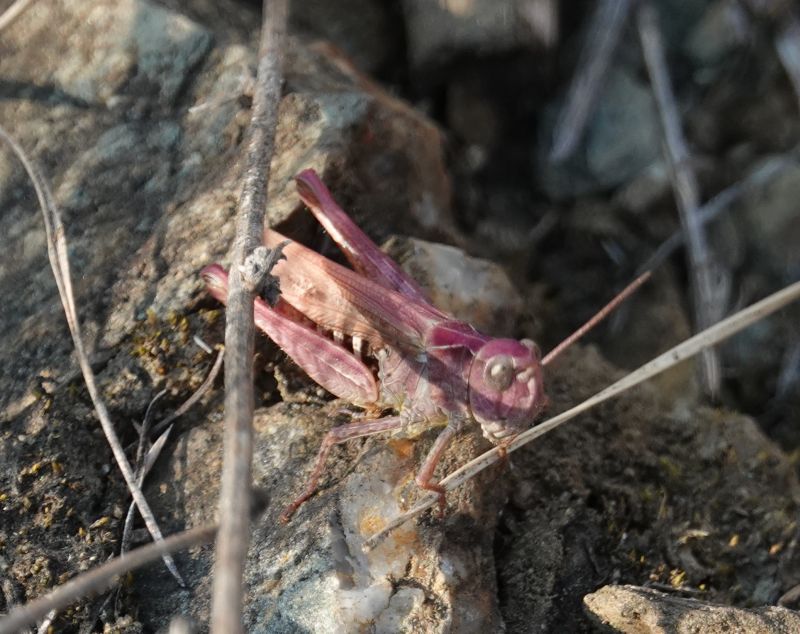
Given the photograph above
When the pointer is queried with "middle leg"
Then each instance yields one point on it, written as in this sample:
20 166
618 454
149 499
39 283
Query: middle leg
334 437
424 478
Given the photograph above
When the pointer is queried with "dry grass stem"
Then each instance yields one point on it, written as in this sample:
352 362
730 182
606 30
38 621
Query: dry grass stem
144 463
13 12
146 459
234 506
59 261
709 295
602 38
198 394
701 341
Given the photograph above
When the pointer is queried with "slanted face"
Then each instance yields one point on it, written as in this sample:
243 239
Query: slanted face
505 387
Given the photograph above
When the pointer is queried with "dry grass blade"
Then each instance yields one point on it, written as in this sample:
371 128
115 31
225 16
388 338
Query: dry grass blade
234 507
604 33
101 577
198 394
146 459
701 341
59 261
709 298
13 12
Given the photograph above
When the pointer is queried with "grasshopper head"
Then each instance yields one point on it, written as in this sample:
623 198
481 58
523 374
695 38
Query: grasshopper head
505 387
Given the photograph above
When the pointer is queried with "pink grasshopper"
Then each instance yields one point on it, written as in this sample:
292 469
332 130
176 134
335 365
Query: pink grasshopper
434 370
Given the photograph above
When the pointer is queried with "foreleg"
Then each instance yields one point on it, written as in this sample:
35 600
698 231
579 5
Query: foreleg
424 478
334 437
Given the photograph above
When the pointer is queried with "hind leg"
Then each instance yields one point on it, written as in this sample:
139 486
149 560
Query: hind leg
362 253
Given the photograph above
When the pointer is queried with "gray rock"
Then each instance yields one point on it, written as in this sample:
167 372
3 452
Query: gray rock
311 574
439 31
635 610
723 28
771 223
621 141
474 290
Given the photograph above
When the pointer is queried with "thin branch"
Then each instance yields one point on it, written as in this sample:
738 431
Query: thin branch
708 304
234 506
602 38
701 341
12 13
59 261
790 597
44 626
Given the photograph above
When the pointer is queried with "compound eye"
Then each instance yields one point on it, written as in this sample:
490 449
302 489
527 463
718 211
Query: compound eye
530 345
499 372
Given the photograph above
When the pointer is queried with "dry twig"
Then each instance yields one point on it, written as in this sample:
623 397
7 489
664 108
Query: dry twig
234 505
602 38
59 261
708 300
662 363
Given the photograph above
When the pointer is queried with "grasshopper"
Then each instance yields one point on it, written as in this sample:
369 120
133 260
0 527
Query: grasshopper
432 369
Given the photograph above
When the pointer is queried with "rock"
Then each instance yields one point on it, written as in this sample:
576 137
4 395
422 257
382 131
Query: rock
311 574
371 148
771 226
439 31
621 141
471 289
642 192
632 609
723 28
138 49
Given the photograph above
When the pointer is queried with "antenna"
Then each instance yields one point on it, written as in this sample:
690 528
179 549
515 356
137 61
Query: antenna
598 317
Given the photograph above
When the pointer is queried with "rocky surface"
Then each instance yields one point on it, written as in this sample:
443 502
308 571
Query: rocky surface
137 110
645 611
